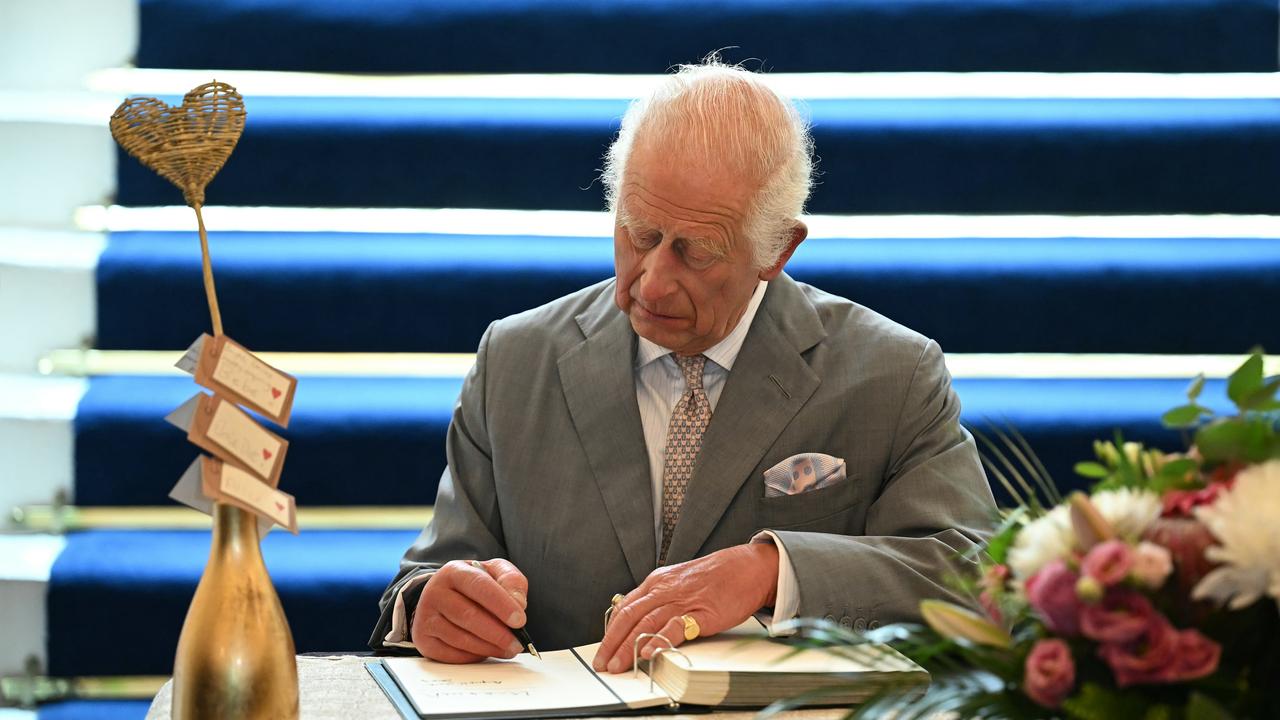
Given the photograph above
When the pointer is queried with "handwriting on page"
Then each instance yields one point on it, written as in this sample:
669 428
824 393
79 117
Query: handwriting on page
239 435
240 371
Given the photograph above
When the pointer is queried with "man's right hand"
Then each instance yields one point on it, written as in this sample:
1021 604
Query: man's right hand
467 609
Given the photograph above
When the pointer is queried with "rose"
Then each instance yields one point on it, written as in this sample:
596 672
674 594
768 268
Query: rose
1121 617
1150 658
993 587
1151 564
1052 592
1197 655
1180 503
1049 673
1108 562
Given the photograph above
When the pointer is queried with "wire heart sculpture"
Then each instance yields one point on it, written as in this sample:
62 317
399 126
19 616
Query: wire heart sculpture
188 144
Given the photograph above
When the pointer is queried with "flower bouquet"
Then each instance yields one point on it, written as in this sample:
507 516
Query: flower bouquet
1152 596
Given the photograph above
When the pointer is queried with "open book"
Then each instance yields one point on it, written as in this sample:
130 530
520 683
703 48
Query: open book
737 668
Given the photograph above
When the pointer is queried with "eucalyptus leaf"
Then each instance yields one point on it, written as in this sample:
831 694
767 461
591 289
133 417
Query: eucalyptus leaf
1246 380
1197 384
1222 440
1262 396
1184 416
1092 470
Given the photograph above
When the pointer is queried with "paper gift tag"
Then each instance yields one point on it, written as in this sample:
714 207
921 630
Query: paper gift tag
228 432
229 370
190 492
228 483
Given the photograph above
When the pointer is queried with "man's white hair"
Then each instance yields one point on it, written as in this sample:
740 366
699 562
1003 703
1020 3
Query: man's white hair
726 118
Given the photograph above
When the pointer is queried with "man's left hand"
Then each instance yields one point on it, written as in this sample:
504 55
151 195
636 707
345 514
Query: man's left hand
718 591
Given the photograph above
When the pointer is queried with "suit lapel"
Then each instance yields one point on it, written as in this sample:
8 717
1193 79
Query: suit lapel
768 385
599 387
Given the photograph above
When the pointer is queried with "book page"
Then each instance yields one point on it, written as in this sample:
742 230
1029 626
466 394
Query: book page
524 684
633 688
746 648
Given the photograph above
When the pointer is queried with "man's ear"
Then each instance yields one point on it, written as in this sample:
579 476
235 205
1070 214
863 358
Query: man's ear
798 233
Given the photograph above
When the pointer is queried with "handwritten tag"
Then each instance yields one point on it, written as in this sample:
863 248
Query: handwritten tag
228 483
227 368
189 491
229 433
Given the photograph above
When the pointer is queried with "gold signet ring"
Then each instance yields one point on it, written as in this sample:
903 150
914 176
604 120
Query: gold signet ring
617 598
691 629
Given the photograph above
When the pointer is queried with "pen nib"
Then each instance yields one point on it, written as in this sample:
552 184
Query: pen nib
533 651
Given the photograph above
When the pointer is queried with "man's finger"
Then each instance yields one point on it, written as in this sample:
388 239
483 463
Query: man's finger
673 631
510 578
628 614
440 651
467 641
475 582
476 620
622 658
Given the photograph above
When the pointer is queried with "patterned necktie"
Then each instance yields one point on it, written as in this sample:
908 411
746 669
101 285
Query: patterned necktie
684 438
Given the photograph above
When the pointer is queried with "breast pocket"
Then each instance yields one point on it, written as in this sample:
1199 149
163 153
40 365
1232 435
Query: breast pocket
829 509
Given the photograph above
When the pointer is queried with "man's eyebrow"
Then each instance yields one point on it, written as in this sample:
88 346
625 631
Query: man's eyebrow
715 248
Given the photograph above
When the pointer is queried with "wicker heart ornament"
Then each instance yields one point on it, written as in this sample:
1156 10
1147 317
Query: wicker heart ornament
187 144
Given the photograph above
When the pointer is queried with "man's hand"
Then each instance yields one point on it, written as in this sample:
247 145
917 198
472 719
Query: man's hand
719 591
467 609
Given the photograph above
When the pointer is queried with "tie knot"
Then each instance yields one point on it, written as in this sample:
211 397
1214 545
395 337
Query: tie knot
691 366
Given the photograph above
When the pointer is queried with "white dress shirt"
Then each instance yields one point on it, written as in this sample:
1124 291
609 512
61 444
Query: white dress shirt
659 385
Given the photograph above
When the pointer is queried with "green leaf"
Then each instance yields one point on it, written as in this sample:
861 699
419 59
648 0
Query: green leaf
1262 396
1092 470
1095 702
1203 707
1246 380
998 546
1184 416
1223 440
1197 384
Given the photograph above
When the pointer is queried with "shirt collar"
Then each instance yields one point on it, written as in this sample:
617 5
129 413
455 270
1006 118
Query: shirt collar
723 353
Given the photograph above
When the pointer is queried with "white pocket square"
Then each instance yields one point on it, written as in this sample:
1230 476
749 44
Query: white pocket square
803 473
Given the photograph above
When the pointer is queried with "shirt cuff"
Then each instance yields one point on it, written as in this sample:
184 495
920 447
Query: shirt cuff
399 635
787 603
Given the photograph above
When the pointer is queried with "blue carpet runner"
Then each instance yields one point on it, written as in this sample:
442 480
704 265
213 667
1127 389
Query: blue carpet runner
380 441
645 36
117 598
94 710
877 156
437 293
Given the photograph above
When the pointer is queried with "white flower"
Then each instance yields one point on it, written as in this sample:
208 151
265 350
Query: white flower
1129 512
1152 564
1246 522
1042 541
1050 537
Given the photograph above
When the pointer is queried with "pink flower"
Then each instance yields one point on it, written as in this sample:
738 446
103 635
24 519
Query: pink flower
1152 657
1050 673
1052 592
1180 503
1108 562
1121 617
993 585
1197 655
1151 564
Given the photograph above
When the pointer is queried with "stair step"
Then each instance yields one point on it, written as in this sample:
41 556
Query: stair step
141 583
380 441
391 292
970 155
630 36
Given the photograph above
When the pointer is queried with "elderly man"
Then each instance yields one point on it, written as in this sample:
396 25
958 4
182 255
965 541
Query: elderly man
638 437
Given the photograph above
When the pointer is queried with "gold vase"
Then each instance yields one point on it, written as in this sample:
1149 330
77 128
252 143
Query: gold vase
235 656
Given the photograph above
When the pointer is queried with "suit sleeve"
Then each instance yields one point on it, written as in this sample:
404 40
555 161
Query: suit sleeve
466 524
933 505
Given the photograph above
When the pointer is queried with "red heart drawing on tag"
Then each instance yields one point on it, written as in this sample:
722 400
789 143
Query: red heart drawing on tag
280 507
266 454
275 393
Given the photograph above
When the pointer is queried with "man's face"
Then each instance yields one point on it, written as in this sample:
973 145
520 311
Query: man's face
685 272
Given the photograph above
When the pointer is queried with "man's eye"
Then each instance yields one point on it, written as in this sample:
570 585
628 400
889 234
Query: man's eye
698 258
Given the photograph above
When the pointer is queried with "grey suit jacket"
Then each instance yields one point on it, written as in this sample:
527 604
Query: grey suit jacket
547 464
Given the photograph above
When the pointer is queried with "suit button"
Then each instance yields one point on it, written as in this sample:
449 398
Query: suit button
860 625
873 625
846 623
830 618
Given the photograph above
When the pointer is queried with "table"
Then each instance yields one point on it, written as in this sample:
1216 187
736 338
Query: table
337 687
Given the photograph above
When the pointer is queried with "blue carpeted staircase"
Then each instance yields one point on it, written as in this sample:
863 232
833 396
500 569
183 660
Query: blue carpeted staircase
117 597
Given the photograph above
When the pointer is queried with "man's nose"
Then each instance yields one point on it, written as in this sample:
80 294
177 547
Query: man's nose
657 280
